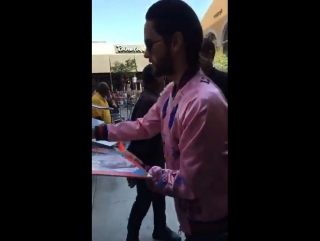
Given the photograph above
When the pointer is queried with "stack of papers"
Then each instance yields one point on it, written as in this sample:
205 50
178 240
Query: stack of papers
105 143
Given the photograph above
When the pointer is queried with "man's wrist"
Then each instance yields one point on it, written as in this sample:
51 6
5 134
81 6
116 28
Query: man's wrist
100 132
93 133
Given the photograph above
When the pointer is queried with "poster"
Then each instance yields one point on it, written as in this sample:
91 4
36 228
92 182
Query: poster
110 162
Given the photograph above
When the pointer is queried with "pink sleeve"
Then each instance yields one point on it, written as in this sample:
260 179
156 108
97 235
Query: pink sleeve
142 128
202 146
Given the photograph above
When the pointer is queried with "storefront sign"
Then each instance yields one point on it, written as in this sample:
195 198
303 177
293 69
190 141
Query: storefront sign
217 14
125 49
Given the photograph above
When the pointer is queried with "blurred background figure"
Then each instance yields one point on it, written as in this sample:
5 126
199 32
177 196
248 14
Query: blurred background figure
111 101
207 54
99 98
151 153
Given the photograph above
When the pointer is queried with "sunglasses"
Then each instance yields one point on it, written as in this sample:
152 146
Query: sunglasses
149 45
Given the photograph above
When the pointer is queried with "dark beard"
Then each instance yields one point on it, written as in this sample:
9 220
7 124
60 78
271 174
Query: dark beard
164 66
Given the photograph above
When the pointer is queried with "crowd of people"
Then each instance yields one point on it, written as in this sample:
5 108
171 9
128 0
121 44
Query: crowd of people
103 96
179 133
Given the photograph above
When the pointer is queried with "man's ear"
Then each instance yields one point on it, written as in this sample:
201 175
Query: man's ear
177 41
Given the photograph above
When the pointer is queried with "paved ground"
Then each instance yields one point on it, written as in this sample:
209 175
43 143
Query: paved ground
111 207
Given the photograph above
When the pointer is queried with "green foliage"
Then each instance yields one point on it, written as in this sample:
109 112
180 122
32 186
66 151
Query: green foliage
121 71
221 62
124 68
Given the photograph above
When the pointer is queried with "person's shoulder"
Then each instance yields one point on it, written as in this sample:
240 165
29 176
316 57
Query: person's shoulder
95 98
222 74
218 75
203 91
220 79
146 98
212 103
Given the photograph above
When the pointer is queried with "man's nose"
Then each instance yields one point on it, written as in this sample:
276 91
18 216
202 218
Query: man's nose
146 54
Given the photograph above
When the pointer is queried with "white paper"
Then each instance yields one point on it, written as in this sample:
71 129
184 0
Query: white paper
105 143
96 122
101 107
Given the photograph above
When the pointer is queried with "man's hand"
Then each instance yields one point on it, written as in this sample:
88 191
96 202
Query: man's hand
158 181
114 103
131 182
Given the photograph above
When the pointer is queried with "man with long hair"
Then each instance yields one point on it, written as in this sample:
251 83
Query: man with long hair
192 116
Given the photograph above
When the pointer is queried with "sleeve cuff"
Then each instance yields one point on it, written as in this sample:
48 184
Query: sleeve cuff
101 132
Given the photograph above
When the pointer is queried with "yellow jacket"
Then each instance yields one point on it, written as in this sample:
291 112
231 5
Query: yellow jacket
103 114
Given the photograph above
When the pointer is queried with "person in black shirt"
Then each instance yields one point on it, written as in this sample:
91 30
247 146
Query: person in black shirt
151 153
218 77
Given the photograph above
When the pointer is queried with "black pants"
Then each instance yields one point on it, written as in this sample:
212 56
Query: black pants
141 206
223 236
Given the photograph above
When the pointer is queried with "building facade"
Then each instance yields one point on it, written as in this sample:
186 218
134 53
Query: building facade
104 57
215 25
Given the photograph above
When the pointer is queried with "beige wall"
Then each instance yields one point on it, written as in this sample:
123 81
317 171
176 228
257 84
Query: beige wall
100 64
216 20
